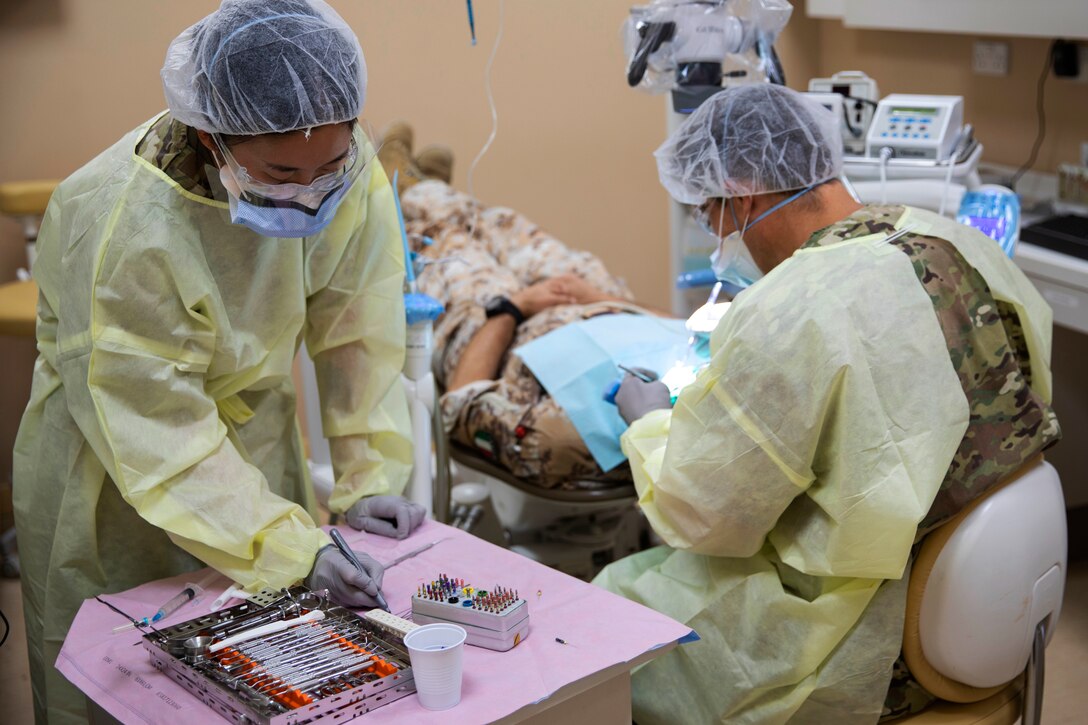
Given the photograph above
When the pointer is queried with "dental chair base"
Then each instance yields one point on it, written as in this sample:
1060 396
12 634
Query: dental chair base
471 510
576 532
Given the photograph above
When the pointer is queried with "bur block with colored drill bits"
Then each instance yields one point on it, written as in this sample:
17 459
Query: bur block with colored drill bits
495 618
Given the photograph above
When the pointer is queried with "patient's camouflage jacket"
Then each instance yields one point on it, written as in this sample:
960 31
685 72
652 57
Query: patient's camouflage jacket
479 253
1009 421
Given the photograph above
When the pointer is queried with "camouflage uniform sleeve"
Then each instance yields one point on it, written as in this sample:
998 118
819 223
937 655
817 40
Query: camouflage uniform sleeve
1009 421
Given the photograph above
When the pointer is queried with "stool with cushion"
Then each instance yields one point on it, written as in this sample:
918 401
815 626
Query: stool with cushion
24 201
984 599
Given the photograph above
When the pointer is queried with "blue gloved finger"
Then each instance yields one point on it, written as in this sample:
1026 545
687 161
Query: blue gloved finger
381 527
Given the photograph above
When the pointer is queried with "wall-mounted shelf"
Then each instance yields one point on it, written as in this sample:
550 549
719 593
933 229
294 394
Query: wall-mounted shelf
1043 18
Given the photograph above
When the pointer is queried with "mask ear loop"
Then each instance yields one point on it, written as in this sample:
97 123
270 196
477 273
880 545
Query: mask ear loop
718 229
740 230
231 164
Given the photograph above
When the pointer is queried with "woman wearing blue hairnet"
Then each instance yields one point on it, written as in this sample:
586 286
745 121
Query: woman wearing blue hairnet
179 270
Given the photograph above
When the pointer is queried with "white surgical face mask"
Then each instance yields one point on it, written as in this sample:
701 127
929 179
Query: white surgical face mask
731 261
287 210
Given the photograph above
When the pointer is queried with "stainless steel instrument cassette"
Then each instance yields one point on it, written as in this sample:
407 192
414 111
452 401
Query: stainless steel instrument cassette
297 659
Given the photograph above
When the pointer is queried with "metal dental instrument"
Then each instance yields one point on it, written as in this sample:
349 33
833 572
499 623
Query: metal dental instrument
342 545
410 554
133 621
640 375
281 641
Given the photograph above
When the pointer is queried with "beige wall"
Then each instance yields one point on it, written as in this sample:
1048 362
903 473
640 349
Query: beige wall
573 148
574 143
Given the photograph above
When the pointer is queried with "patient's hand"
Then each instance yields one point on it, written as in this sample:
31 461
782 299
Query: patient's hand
541 296
580 290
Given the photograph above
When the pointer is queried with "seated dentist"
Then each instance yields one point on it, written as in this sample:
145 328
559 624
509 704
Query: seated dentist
890 367
178 271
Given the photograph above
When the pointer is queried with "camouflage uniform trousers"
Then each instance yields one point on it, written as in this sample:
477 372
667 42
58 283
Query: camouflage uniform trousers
1009 423
480 253
905 696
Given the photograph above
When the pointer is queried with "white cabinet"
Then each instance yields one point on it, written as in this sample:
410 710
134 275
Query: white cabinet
1046 18
825 8
1062 279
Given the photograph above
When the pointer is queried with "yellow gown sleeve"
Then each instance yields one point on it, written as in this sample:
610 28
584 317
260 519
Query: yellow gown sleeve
136 388
355 332
710 475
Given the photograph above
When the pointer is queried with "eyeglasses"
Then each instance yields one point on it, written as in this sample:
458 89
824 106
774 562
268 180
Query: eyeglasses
701 214
309 195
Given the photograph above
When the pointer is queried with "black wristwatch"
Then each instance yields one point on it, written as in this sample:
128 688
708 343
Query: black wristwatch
503 306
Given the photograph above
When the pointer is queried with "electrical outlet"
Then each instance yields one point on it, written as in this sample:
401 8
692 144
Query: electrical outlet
990 58
1070 61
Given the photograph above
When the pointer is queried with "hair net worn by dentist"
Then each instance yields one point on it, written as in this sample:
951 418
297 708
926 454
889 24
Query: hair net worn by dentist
265 66
752 139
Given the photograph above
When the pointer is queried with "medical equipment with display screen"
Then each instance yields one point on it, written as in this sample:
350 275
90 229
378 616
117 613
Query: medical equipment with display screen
916 127
918 151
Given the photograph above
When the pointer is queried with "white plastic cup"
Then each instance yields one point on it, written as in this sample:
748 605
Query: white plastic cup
436 651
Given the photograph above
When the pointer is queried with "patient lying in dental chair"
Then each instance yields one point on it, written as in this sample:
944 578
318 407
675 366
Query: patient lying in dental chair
492 402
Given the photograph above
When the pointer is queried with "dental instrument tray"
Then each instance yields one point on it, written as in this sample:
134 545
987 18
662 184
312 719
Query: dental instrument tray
497 619
297 659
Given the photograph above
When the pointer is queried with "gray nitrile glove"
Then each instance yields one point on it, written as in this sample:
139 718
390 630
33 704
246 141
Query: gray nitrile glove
392 516
346 584
636 398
